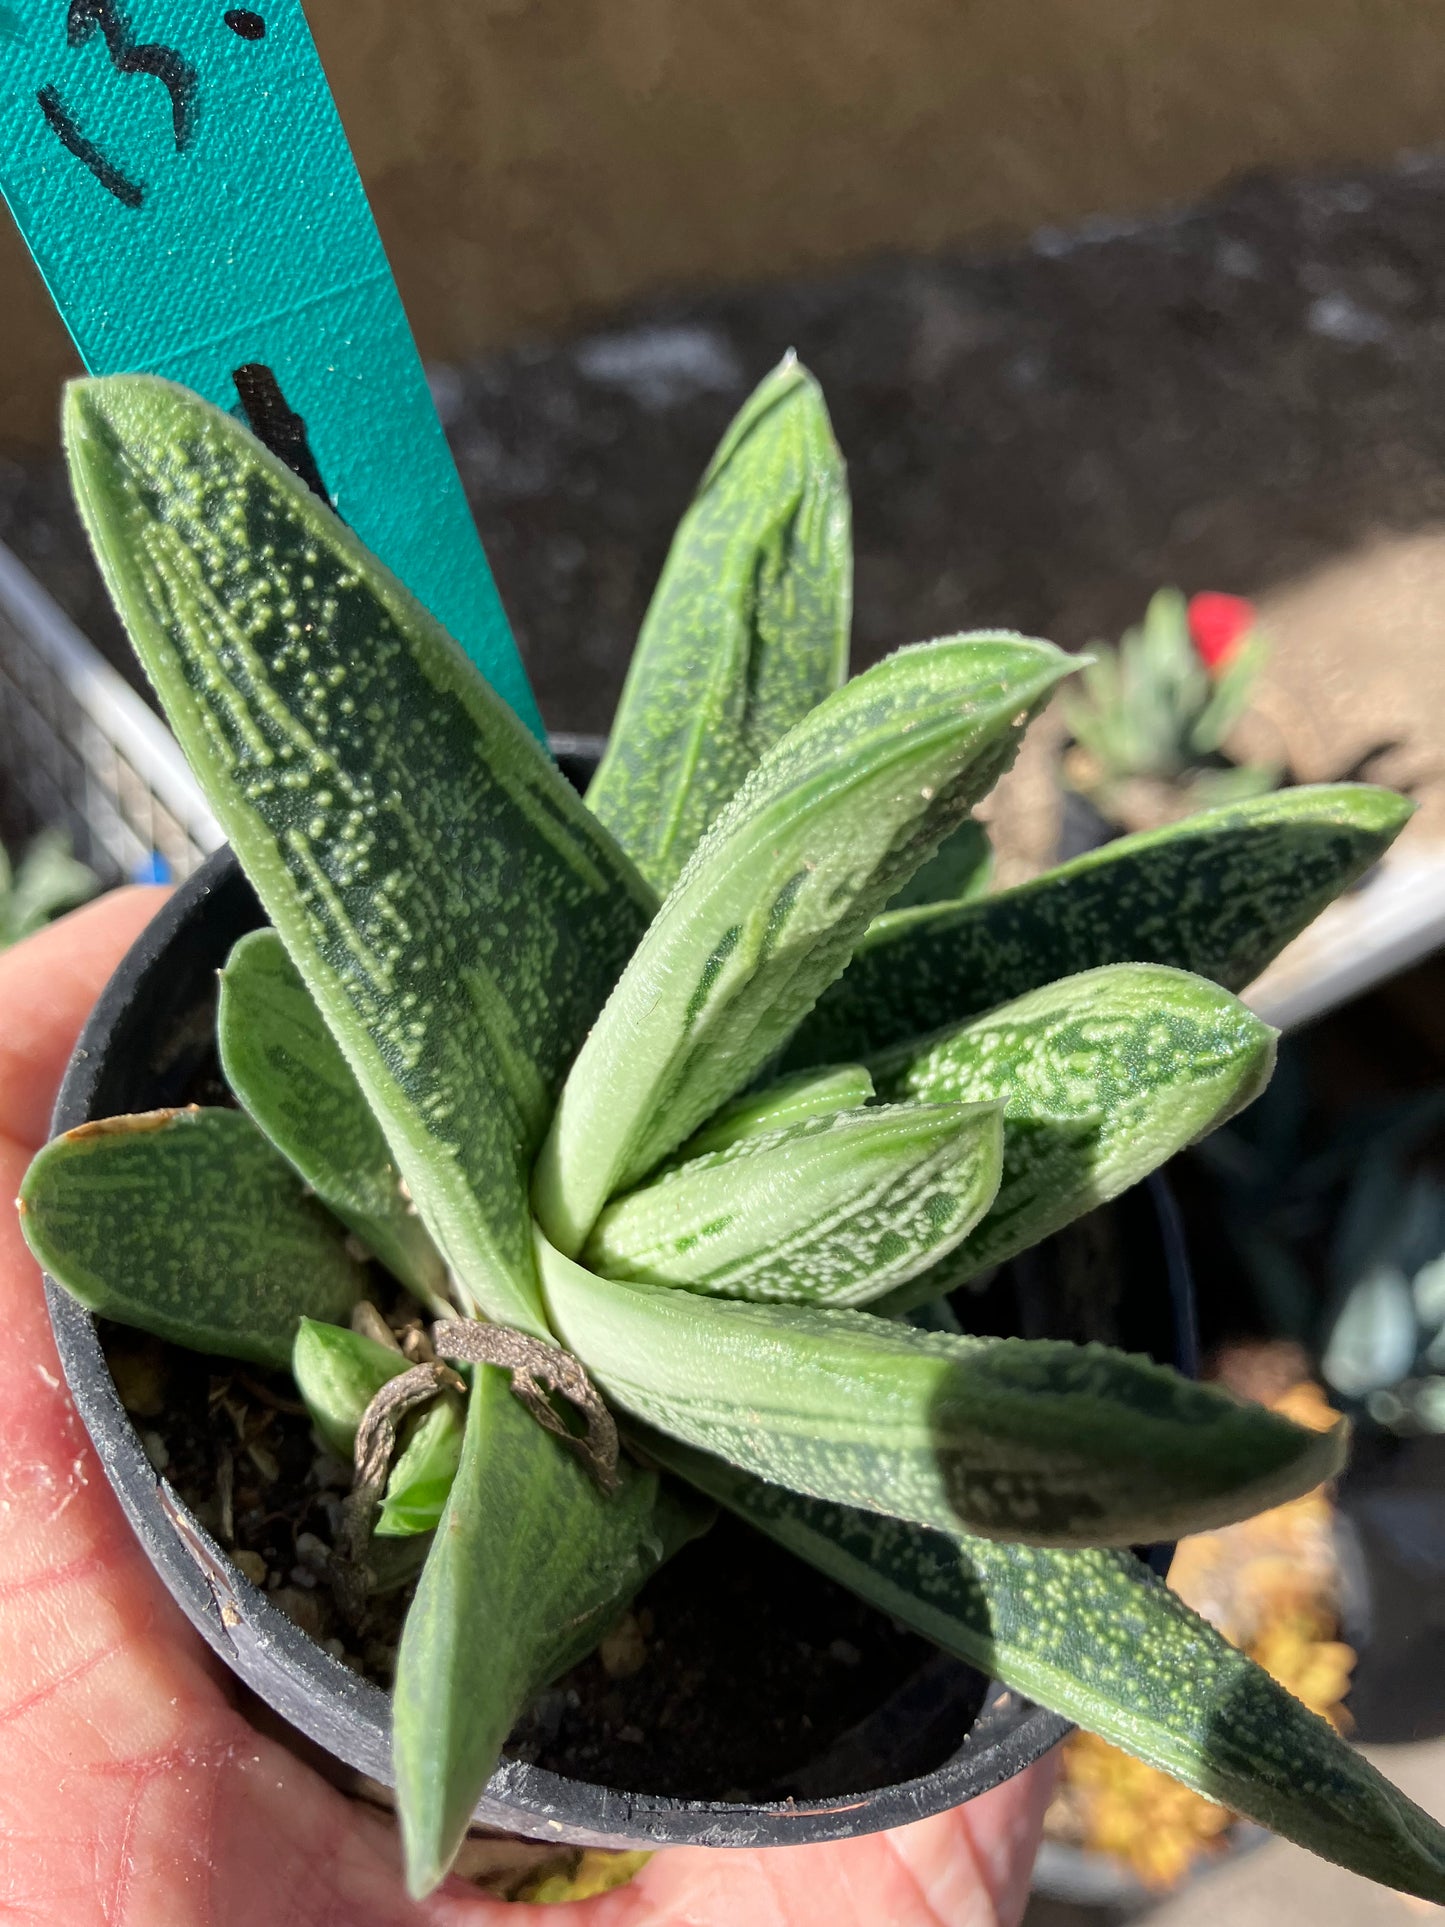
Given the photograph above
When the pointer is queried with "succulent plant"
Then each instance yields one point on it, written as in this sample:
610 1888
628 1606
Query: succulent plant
1159 704
1341 1232
46 882
588 1081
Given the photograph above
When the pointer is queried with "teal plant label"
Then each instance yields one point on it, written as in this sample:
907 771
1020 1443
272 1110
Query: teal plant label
181 175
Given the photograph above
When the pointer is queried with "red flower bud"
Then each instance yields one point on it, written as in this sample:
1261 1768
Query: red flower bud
1217 625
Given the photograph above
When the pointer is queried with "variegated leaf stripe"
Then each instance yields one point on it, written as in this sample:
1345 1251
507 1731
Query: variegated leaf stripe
288 1072
1044 1442
747 629
832 1211
529 1566
1220 894
1103 1077
189 1225
829 825
781 1104
456 913
338 1373
1093 1635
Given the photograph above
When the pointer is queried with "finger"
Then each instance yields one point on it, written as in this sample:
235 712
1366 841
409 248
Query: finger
47 987
132 1790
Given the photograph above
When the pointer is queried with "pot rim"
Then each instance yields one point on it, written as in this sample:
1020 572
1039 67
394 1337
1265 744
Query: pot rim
349 1716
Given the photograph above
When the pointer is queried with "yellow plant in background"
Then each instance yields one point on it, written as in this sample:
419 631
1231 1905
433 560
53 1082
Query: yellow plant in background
1270 1584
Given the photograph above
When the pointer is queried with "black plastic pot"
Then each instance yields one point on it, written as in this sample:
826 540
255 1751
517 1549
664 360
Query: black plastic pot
946 1736
1082 827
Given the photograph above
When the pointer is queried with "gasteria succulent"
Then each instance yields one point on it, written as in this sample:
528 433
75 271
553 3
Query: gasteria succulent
1159 705
663 1160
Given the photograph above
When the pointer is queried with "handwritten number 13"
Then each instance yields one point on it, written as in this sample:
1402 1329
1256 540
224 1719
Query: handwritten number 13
84 18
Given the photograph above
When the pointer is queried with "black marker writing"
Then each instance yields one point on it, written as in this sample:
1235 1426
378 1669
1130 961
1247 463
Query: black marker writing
128 192
249 25
274 422
164 64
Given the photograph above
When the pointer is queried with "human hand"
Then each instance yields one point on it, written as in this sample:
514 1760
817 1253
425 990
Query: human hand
133 1793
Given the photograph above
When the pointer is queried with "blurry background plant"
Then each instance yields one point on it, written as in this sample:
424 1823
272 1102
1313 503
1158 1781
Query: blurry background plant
1151 714
1340 1227
46 882
1272 1586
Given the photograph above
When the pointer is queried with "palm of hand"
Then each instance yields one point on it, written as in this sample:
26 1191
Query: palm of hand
134 1793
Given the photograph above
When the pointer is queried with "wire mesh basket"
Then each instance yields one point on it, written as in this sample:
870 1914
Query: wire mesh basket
80 751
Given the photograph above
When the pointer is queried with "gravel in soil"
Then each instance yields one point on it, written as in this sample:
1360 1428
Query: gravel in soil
736 1669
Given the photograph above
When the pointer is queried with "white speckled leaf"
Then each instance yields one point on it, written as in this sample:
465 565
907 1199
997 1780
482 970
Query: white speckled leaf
338 1373
530 1564
288 1072
781 1104
1220 894
455 911
1044 1442
189 1225
1095 1636
747 629
833 1211
1103 1077
830 824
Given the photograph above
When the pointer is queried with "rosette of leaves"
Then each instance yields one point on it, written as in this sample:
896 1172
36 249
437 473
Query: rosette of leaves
1157 706
596 1085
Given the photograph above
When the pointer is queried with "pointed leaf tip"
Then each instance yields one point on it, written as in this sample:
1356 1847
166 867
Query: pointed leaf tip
349 750
1037 1441
834 1210
825 831
1103 1077
1095 1637
189 1225
530 1565
746 631
1219 894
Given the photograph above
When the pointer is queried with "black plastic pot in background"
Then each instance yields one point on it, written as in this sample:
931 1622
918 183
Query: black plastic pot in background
1082 827
943 1737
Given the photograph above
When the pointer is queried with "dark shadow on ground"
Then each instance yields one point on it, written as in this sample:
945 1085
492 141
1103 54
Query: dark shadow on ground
1037 438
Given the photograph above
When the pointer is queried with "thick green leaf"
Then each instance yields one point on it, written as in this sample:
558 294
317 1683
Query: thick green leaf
338 1373
829 826
1095 1636
1220 894
288 1071
777 1106
421 1479
958 872
455 911
1102 1076
1044 1442
529 1566
833 1211
189 1225
747 630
